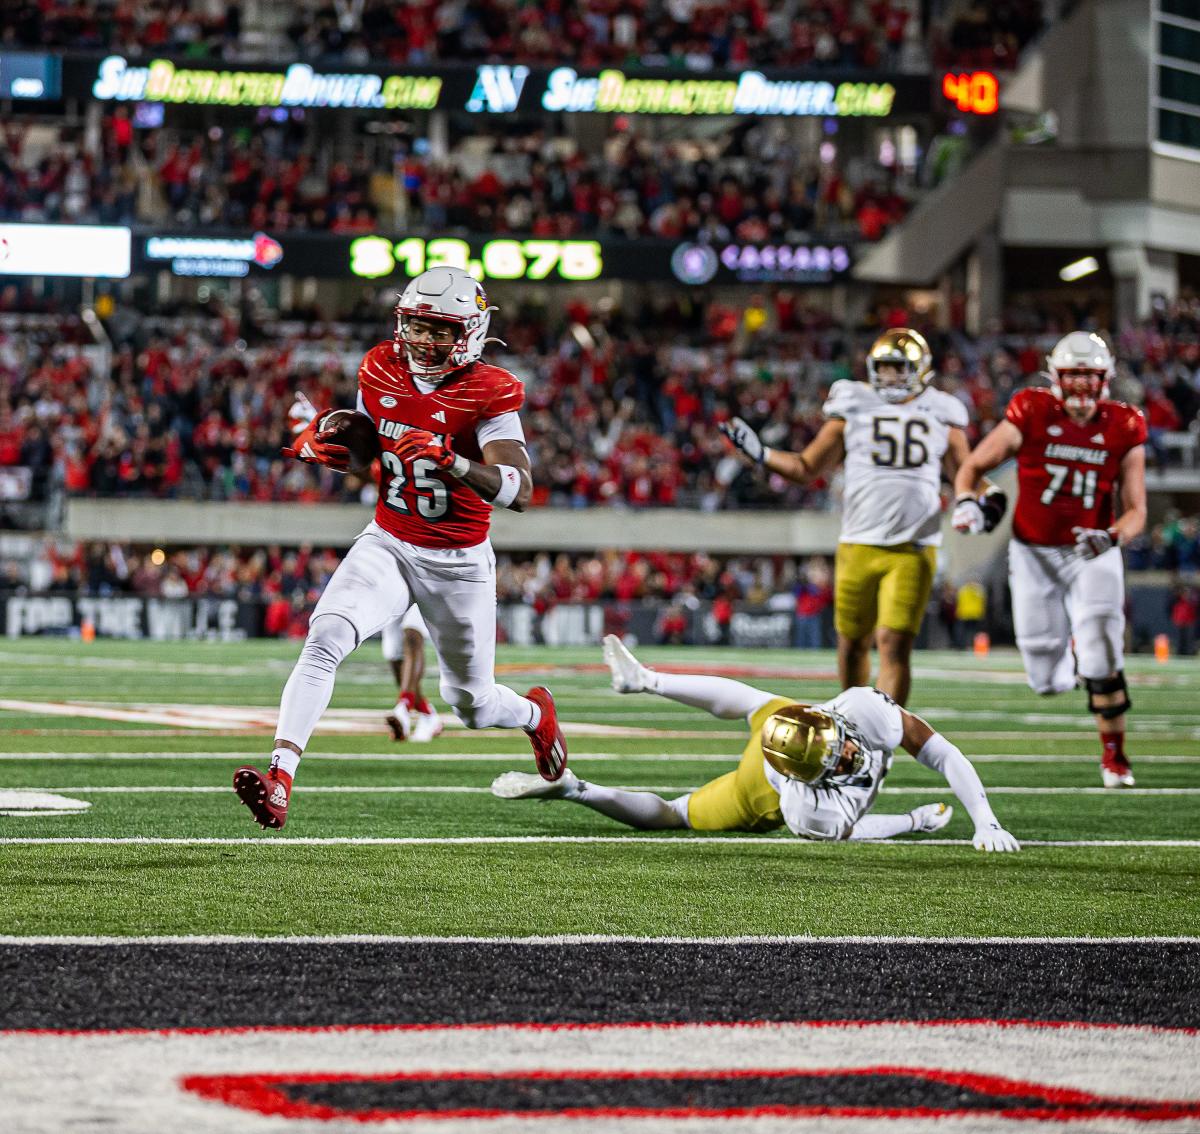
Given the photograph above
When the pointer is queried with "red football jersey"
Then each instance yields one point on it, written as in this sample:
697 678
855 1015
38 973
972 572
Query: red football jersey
417 503
1067 472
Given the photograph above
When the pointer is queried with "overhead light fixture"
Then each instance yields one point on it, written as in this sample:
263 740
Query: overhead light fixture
1078 269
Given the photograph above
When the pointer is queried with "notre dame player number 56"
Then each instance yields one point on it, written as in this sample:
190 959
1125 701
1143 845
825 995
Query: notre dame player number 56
894 432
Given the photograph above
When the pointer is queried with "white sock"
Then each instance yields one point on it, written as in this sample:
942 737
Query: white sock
717 695
535 714
306 695
882 826
285 760
641 809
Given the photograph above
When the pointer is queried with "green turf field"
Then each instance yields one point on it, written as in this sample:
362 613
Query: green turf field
160 775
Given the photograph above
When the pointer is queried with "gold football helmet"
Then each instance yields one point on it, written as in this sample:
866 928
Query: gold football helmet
804 742
908 350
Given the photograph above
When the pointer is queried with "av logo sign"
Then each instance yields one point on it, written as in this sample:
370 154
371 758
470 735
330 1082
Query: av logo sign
497 88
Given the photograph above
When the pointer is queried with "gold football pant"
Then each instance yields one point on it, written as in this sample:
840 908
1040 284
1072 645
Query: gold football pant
881 586
741 800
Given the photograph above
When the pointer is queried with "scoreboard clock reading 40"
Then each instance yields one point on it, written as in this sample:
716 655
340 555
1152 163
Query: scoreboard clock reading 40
972 92
372 257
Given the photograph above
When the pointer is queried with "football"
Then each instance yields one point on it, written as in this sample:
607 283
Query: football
354 430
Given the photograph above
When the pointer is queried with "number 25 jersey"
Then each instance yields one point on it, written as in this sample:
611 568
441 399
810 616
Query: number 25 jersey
893 463
419 503
1067 471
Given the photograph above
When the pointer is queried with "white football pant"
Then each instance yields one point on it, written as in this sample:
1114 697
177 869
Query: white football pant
1057 596
378 580
392 635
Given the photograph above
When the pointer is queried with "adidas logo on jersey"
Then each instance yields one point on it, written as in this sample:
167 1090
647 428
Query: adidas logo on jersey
440 416
1097 438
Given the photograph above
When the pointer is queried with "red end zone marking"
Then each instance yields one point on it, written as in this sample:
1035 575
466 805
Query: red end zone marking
264 1094
530 1026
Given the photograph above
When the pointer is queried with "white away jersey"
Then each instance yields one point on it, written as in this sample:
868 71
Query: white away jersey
877 720
893 463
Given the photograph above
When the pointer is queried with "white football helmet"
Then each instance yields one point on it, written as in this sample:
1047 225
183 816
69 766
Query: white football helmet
442 295
1080 367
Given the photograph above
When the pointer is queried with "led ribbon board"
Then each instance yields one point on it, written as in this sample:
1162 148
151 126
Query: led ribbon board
165 81
373 257
752 93
82 250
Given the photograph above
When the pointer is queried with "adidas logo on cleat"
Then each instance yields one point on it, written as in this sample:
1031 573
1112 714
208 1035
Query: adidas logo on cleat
279 796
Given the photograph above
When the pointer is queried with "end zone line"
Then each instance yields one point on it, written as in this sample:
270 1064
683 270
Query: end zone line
647 840
577 939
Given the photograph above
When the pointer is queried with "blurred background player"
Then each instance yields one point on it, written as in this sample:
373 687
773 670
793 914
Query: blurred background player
815 768
1075 450
413 717
894 433
452 449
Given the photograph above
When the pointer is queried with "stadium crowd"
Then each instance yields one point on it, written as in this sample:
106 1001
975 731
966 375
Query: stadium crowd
695 34
753 184
184 407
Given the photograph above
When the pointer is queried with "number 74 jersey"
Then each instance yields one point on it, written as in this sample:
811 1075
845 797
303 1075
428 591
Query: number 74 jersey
893 463
1067 471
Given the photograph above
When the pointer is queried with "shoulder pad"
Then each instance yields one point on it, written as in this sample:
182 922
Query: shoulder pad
845 396
949 410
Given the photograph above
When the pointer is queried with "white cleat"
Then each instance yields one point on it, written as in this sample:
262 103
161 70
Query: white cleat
1117 779
425 727
931 816
526 785
400 720
628 674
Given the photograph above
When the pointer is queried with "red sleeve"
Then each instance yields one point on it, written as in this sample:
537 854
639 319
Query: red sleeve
509 395
1135 429
1020 410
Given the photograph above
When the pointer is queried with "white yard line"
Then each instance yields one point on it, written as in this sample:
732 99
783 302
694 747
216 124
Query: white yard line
518 840
407 755
460 789
581 939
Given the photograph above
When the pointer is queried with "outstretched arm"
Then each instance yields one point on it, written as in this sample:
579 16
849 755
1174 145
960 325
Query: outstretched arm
822 453
935 751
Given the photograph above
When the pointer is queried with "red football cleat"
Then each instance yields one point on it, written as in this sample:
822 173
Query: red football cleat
549 745
266 796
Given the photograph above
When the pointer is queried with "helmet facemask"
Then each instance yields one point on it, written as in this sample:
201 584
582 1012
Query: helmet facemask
1080 391
428 344
809 744
1079 368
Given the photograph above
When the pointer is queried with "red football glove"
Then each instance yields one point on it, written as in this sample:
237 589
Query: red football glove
414 444
309 447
